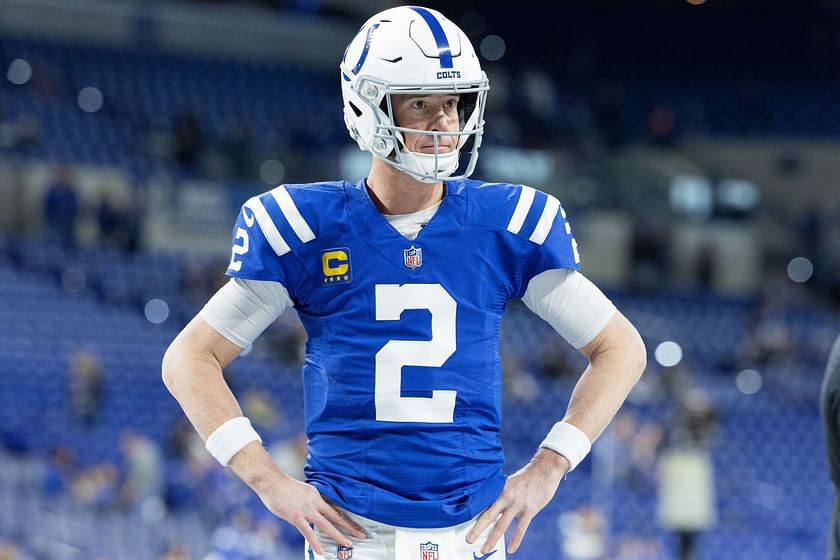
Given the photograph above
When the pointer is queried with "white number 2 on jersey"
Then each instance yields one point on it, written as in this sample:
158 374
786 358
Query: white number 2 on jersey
241 235
391 301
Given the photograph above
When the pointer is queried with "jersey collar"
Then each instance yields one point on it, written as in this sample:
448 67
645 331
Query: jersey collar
441 229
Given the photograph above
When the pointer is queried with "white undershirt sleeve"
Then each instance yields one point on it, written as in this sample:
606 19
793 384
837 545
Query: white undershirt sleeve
242 309
570 303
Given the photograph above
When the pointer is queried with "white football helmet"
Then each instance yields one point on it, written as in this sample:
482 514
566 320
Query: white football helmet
412 50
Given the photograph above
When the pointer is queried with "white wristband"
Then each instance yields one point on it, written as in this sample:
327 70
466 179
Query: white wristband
229 438
568 441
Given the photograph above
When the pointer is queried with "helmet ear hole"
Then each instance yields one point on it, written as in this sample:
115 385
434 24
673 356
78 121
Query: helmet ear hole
383 105
466 105
356 110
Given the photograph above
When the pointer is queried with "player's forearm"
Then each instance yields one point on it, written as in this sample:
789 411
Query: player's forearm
194 378
616 364
192 371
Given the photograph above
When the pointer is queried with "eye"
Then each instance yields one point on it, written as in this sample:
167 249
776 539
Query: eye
418 104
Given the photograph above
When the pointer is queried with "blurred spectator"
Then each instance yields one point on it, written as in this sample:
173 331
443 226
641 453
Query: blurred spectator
97 486
238 148
10 551
143 470
706 267
132 215
637 451
184 443
61 209
59 471
649 254
187 475
108 218
686 495
231 539
635 547
175 551
120 221
769 339
85 386
189 141
243 537
583 534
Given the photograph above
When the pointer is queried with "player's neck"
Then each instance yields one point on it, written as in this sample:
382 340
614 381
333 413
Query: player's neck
395 192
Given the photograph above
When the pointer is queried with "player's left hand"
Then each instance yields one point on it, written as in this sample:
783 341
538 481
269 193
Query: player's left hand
525 494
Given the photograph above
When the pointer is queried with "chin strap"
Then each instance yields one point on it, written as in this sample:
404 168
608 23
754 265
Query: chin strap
422 166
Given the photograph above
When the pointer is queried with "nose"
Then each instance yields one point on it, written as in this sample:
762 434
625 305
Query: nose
442 122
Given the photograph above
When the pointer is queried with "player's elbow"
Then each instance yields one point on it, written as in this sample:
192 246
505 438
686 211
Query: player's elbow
174 365
168 367
637 353
632 349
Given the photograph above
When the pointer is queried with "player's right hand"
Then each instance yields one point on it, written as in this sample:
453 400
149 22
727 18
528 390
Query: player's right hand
303 506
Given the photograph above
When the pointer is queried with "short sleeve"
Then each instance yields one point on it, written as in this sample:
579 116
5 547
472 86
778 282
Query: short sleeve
555 245
259 249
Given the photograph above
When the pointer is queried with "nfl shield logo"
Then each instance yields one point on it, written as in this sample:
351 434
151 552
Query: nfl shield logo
344 552
428 551
413 257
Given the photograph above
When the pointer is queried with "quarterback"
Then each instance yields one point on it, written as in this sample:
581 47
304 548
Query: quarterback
401 281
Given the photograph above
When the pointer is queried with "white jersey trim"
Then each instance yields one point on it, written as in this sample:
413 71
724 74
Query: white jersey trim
523 205
552 205
292 214
570 303
267 226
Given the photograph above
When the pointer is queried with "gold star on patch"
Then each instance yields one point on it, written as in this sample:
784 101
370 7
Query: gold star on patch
347 278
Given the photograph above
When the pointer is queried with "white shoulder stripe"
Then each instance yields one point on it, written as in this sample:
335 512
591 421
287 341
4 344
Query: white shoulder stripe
526 199
292 214
267 226
552 205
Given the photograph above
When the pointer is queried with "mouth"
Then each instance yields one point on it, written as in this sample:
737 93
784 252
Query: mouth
442 148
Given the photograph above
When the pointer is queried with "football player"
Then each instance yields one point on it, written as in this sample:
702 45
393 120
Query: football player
401 281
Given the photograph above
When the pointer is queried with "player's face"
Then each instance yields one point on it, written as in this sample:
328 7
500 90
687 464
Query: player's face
427 112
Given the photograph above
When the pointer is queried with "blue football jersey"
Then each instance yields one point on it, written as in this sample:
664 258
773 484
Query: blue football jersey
402 375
